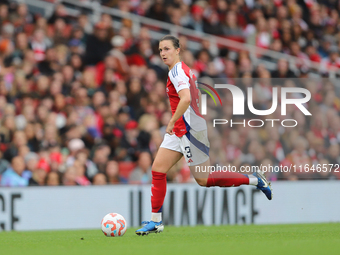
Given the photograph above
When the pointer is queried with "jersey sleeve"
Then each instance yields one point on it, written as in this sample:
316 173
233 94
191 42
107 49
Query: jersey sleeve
178 78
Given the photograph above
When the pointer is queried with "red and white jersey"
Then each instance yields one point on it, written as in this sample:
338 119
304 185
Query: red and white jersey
181 77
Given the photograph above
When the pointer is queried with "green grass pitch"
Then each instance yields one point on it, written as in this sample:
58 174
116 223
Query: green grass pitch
241 239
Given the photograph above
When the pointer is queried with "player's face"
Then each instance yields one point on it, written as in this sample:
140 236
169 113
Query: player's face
168 52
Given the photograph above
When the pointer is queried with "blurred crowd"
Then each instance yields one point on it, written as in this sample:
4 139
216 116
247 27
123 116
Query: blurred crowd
84 103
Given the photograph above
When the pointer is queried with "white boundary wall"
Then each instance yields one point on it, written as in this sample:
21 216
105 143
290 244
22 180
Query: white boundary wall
47 208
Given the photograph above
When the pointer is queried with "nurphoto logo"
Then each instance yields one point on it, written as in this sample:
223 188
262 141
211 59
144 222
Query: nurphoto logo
239 100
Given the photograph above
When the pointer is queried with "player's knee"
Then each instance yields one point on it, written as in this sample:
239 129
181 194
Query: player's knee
159 169
156 169
201 181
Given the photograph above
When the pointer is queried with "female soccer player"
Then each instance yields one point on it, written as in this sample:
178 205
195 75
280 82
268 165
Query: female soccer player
186 135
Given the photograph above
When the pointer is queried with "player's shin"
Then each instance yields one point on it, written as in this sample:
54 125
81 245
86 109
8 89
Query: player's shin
158 191
230 179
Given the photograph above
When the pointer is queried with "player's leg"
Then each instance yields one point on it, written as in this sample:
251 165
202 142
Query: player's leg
196 152
165 159
207 178
229 179
167 156
201 172
195 148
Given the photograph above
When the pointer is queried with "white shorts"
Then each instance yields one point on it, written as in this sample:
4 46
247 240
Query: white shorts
193 145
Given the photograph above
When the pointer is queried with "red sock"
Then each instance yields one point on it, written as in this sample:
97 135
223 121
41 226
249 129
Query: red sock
158 191
227 179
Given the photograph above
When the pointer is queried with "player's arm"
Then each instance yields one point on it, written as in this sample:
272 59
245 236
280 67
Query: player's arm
184 102
181 84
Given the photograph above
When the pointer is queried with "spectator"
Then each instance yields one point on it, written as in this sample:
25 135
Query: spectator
282 70
53 179
83 157
39 45
69 177
80 169
214 24
98 45
38 177
231 28
48 64
19 139
22 17
99 179
75 145
16 176
4 164
133 141
60 12
197 22
142 173
101 157
157 11
134 95
112 172
333 154
299 156
333 60
31 161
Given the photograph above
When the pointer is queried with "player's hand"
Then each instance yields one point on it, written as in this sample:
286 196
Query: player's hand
169 128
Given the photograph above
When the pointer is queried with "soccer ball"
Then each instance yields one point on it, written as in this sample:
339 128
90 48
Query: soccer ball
113 224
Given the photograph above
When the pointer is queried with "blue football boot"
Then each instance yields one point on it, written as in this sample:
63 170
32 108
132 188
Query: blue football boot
150 227
264 185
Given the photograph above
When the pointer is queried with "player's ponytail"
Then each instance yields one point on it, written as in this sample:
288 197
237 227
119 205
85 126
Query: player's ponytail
173 39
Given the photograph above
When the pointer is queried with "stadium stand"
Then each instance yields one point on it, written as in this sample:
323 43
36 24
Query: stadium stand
82 89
